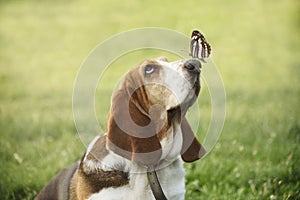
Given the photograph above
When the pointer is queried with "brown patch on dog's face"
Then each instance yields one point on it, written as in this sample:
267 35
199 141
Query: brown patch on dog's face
153 73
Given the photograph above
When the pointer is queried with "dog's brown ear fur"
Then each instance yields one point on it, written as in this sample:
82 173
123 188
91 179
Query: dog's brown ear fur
191 150
145 149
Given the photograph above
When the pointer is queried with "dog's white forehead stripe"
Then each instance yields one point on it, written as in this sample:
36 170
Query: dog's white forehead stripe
175 79
175 66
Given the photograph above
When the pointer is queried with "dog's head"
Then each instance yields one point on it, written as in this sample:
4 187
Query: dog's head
146 122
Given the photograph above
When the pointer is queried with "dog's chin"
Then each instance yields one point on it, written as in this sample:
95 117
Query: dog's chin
190 100
183 107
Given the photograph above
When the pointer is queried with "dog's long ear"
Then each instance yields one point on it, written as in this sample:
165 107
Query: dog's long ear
191 150
125 132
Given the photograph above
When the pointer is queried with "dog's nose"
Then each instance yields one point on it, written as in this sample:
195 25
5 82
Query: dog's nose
193 66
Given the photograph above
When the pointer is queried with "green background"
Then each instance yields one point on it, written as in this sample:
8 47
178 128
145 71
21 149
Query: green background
255 47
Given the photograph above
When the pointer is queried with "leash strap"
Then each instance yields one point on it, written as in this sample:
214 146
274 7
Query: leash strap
155 185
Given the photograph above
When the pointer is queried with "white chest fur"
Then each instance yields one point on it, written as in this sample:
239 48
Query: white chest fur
171 179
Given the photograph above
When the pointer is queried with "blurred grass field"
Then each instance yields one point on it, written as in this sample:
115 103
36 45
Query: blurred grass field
256 46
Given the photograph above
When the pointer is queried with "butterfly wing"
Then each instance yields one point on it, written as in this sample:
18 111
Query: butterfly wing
194 48
205 50
201 50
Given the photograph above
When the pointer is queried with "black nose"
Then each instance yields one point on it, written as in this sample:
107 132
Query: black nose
192 66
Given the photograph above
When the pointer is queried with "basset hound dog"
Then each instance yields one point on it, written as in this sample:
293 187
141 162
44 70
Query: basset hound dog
140 156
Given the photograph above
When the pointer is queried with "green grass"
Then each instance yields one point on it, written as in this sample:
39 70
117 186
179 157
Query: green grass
256 47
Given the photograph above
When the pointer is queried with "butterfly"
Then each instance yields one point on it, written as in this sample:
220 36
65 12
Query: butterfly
199 49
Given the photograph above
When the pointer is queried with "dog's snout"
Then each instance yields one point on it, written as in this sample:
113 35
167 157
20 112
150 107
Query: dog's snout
192 66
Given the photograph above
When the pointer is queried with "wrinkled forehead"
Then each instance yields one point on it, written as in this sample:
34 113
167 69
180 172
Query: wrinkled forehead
163 63
170 64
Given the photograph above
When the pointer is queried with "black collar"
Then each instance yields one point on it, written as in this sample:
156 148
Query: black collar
155 185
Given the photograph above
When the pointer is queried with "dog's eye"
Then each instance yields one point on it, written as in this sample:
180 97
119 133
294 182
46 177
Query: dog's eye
149 69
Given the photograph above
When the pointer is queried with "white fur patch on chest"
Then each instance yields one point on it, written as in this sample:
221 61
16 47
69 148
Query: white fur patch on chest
171 179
